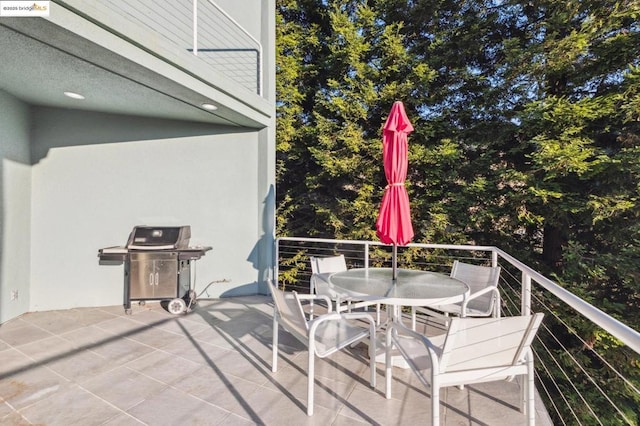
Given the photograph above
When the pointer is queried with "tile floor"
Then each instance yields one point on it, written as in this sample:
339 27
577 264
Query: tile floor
98 366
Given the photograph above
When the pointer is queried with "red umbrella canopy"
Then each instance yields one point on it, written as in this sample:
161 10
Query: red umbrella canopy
394 219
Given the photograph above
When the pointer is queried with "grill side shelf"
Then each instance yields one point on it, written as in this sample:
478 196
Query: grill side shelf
192 253
115 255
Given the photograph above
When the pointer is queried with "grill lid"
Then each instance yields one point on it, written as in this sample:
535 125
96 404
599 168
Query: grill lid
159 237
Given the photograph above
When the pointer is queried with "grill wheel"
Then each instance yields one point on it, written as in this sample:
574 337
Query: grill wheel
177 306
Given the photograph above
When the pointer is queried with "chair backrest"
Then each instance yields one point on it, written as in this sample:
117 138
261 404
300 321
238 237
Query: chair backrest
477 278
323 265
473 343
290 311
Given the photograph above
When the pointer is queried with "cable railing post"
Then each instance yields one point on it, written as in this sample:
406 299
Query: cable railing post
366 255
525 307
276 265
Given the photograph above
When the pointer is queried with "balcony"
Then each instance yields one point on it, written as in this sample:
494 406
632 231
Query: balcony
213 365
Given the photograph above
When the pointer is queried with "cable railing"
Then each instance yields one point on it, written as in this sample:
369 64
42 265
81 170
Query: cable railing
199 27
582 382
587 362
226 45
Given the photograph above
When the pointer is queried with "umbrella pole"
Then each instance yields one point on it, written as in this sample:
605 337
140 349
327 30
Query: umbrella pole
394 263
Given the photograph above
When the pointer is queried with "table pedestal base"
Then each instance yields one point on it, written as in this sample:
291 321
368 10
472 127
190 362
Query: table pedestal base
396 359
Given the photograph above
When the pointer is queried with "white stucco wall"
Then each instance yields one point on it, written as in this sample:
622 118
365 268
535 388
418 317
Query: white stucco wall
87 196
15 206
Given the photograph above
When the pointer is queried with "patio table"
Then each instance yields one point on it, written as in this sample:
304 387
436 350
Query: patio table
412 288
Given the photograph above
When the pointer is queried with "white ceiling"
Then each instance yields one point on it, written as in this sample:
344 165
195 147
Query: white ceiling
38 73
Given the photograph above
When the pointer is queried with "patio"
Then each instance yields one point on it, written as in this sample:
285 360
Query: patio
212 366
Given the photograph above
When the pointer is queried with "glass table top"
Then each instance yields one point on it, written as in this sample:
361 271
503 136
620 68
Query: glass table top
412 287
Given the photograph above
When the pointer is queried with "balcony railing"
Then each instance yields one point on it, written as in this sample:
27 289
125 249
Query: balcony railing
225 45
197 27
587 362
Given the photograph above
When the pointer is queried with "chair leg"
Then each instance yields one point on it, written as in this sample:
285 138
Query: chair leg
372 354
310 382
274 344
435 401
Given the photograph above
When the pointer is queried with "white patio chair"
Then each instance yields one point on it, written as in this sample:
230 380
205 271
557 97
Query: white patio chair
474 350
483 299
321 269
323 336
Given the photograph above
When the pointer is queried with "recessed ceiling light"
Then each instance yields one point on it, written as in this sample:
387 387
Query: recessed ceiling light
209 107
74 95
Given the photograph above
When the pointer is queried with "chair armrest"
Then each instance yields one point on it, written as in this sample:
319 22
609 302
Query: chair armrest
335 316
483 291
413 334
490 289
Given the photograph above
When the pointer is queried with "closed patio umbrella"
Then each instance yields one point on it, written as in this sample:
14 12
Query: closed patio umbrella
394 219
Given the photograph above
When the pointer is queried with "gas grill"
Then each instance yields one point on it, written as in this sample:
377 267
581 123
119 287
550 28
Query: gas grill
157 266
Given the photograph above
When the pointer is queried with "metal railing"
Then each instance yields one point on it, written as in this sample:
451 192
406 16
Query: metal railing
200 27
580 380
226 45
